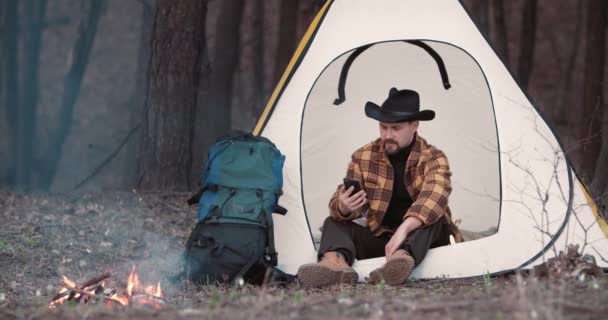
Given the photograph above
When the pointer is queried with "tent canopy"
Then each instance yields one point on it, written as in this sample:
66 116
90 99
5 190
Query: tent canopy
509 170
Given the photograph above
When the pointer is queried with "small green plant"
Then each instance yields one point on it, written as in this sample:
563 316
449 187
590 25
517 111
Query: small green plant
297 297
381 285
215 299
3 244
234 295
487 279
499 315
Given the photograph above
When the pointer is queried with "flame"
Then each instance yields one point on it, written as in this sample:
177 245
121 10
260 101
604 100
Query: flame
122 299
133 286
69 282
61 300
132 282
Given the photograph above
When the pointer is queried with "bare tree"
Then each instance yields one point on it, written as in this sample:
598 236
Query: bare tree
225 60
564 95
174 75
219 63
87 30
497 29
261 96
132 140
480 12
287 35
11 101
26 113
593 104
528 43
489 16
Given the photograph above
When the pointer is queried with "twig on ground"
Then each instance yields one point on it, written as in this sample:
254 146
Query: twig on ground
580 307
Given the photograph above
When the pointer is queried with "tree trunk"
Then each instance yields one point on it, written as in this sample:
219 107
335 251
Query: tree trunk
87 31
178 40
213 116
498 29
480 10
562 110
248 85
528 43
201 132
26 115
287 36
306 13
599 185
595 59
10 85
225 60
138 99
260 97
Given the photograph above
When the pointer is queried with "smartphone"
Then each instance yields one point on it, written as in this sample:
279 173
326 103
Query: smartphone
352 183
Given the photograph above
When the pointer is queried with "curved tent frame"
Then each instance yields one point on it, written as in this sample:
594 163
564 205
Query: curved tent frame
351 58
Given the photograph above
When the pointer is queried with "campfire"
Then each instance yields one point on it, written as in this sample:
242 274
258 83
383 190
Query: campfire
95 291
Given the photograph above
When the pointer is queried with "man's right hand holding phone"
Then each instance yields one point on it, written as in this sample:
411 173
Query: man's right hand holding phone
348 202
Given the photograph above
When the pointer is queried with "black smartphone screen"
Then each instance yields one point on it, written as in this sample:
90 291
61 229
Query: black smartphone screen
352 183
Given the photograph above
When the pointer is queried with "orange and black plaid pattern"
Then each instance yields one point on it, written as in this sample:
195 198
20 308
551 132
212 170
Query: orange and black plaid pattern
427 176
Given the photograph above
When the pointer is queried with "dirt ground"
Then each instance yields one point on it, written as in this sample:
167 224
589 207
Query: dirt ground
45 236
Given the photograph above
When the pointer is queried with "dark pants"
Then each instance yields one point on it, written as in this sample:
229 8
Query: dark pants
356 241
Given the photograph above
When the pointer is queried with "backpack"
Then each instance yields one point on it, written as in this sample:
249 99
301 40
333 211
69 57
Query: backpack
234 236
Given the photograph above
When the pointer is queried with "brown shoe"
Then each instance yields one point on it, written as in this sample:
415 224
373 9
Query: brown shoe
396 270
332 269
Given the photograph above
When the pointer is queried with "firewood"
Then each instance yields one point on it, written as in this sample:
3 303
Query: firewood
73 290
95 280
60 295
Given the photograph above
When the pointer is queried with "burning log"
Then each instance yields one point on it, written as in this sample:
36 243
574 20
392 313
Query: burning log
148 300
92 290
95 280
70 291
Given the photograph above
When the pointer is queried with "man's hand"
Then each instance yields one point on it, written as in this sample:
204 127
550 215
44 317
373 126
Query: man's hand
396 240
410 224
348 202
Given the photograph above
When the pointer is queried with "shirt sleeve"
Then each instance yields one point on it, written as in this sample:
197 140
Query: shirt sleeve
353 172
432 201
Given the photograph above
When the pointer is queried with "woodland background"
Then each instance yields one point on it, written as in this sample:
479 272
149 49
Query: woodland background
119 95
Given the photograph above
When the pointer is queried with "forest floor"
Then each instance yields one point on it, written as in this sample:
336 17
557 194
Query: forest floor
43 237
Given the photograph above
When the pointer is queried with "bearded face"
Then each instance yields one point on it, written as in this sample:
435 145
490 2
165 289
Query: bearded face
397 136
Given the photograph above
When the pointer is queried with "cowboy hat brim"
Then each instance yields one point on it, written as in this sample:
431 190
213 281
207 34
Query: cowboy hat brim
374 111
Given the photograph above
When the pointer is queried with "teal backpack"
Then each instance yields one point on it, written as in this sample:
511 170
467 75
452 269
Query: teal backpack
234 236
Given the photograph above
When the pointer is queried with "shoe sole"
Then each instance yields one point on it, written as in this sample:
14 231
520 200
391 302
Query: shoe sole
396 271
316 276
375 277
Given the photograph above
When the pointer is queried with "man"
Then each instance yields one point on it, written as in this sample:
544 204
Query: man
405 186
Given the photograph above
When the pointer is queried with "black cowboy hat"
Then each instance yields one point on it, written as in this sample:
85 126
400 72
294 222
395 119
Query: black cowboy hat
400 106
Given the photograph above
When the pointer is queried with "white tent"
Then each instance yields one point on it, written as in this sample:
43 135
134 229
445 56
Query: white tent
509 170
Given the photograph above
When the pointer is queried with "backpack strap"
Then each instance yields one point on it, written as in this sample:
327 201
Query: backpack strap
280 210
246 268
271 255
196 197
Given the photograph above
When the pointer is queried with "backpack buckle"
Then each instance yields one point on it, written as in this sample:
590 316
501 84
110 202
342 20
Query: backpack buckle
204 242
272 258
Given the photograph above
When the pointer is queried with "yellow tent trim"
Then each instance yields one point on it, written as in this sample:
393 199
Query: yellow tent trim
292 62
600 221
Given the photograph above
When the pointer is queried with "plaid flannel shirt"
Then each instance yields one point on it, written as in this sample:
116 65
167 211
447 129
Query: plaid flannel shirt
427 177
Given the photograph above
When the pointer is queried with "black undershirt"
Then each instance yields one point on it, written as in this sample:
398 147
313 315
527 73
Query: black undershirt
400 199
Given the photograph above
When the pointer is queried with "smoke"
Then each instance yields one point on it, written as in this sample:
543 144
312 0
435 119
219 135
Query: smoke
81 236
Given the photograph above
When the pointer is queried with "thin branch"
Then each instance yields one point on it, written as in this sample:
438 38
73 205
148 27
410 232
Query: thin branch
599 254
109 158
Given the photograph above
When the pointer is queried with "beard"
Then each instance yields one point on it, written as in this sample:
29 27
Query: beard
392 147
